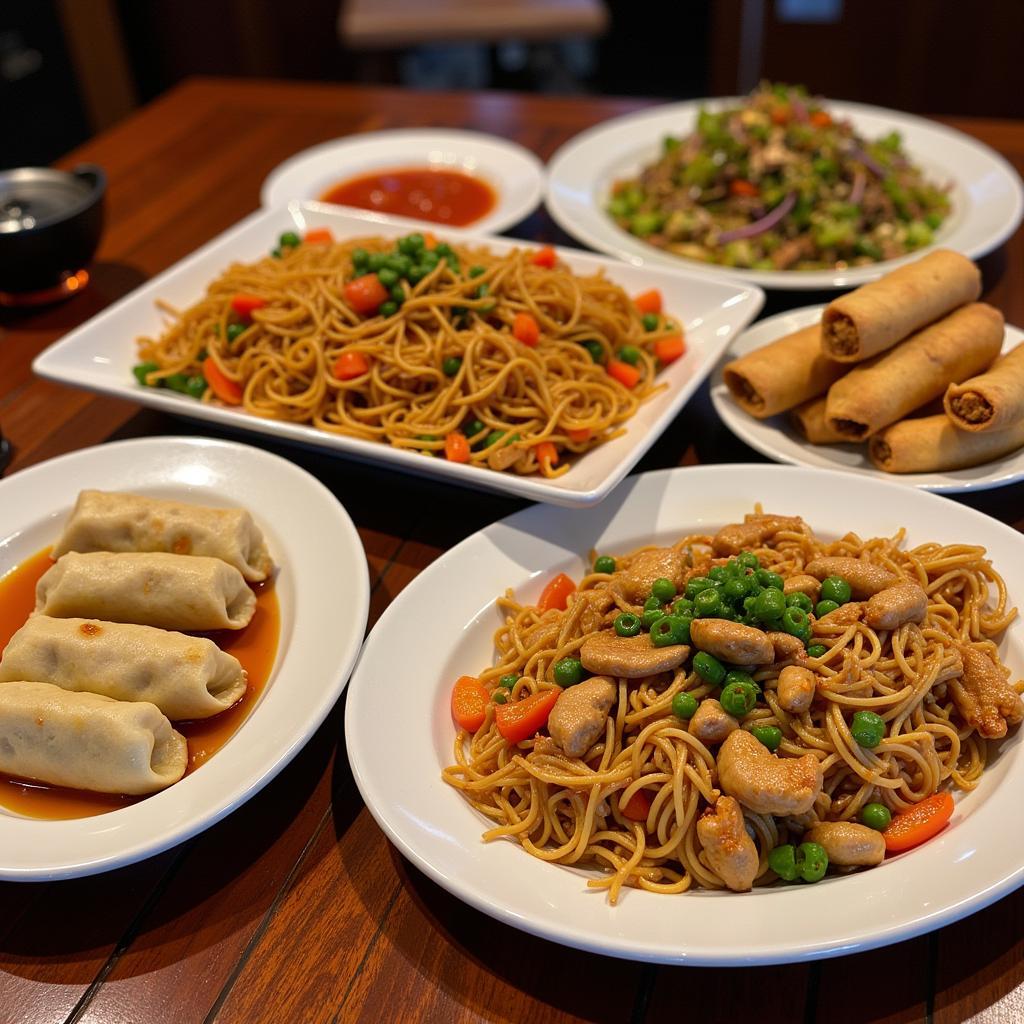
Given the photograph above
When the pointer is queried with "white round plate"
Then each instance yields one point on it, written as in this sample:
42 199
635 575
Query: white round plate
437 629
515 174
987 193
323 591
779 440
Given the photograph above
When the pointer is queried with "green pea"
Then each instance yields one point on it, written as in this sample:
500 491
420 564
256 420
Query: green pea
427 437
650 321
876 816
604 563
375 261
769 735
867 728
508 681
444 249
684 705
812 861
398 294
796 623
196 386
481 291
411 244
387 277
289 240
493 437
707 604
770 605
389 308
429 259
596 350
143 370
767 578
568 672
835 588
663 589
734 589
629 354
684 606
696 585
176 382
733 569
799 601
416 273
708 667
477 270
683 626
738 699
499 696
782 860
473 427
822 608
360 258
234 332
737 675
664 632
275 253
749 560
817 651
401 265
652 604
627 624
651 616
718 574
451 365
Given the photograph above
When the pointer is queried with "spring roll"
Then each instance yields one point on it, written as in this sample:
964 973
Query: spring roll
876 316
189 592
85 741
184 676
809 419
782 374
932 444
885 389
992 401
109 521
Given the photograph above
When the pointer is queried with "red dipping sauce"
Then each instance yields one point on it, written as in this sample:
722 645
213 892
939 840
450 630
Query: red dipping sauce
426 193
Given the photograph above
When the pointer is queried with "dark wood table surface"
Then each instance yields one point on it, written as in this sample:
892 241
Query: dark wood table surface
296 908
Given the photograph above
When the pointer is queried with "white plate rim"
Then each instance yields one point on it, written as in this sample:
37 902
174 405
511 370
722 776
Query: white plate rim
709 330
299 174
536 909
190 467
582 218
780 442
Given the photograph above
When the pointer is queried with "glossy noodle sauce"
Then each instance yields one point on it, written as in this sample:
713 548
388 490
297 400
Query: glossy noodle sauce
426 193
255 647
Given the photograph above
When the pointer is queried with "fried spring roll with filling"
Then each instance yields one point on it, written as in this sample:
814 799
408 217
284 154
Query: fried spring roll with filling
894 384
932 444
809 420
876 316
992 401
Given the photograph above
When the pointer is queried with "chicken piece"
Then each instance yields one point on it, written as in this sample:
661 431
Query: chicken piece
796 689
505 457
729 850
865 578
786 646
984 697
802 584
648 566
595 604
732 642
764 783
751 533
711 723
845 614
848 844
578 718
896 605
629 657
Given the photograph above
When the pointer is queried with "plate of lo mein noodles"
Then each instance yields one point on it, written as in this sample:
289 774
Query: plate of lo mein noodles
728 697
503 365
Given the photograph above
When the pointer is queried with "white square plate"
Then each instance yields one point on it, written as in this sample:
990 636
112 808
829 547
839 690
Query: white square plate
100 353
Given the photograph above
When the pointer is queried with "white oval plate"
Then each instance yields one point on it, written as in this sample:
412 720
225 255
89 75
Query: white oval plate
515 174
314 545
779 440
987 193
100 353
435 631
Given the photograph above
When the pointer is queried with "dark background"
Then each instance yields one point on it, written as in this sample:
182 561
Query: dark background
69 68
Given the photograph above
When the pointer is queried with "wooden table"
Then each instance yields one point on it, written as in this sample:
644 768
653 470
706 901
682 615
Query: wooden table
296 908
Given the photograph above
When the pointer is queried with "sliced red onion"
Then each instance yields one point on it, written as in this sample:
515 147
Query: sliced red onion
759 227
860 180
868 161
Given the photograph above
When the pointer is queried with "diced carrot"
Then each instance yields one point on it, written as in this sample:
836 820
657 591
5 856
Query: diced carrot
351 364
318 235
556 593
669 349
469 703
547 452
648 302
429 240
223 386
521 719
244 304
579 436
628 376
920 823
781 114
544 257
456 447
366 293
526 330
821 119
637 807
741 187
